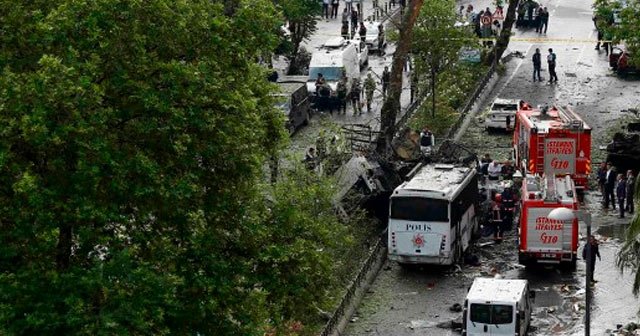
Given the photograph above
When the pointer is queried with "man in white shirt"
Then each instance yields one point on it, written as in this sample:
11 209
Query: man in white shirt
494 170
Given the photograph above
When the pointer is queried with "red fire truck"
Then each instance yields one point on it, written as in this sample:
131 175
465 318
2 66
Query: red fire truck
552 141
541 239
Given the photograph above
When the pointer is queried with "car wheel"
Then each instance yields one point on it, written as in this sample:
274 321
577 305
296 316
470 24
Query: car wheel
307 119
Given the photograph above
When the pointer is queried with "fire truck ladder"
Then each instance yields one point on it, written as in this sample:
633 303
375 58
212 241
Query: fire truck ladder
540 149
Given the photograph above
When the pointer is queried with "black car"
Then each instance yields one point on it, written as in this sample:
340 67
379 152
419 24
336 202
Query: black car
293 100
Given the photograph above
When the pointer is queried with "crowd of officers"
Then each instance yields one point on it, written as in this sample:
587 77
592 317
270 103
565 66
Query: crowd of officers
343 95
616 185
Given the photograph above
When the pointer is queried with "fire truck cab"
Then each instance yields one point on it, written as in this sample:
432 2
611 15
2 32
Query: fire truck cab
552 141
541 239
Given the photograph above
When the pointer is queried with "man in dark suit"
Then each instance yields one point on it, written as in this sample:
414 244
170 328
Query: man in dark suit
609 187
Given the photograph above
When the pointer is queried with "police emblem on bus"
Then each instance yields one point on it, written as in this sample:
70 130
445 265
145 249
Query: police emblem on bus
418 240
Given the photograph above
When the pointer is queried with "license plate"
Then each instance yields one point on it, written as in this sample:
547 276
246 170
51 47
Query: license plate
548 255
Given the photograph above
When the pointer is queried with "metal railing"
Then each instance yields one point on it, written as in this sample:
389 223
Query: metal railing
356 284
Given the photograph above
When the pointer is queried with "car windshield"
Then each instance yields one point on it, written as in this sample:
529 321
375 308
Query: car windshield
505 107
491 314
329 73
283 104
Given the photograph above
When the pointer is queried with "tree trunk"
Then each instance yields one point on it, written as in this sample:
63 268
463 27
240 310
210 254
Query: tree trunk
433 92
505 34
391 105
63 253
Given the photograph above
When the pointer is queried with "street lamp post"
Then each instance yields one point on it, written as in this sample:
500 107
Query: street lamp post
564 215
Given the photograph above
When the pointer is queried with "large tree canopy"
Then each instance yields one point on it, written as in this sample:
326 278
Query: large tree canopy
132 140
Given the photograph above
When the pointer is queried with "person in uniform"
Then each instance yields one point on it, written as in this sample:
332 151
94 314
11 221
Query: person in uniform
369 88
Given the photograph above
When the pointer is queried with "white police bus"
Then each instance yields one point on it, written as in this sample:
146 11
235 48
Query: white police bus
432 216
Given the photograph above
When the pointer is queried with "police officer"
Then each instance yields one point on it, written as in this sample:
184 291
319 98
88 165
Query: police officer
369 88
356 91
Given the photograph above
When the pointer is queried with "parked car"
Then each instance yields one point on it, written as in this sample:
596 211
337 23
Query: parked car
373 36
293 100
501 110
619 61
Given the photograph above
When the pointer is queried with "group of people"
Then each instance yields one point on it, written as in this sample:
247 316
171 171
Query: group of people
526 11
613 184
352 15
503 204
485 23
551 63
343 95
330 8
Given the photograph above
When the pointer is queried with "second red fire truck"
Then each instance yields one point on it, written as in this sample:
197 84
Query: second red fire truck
552 141
541 239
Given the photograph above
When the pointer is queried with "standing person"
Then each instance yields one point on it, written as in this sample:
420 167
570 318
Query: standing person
341 89
538 21
348 5
508 170
609 187
334 8
413 85
485 30
520 18
484 164
537 65
621 193
356 91
345 17
551 61
591 250
602 177
461 12
354 20
469 14
496 217
363 32
344 31
631 189
544 20
381 39
495 170
386 76
369 88
325 9
508 209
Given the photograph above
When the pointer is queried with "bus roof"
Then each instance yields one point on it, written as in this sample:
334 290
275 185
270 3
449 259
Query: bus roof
497 290
554 117
550 189
442 179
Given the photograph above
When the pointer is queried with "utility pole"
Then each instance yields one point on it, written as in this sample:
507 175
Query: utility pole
391 105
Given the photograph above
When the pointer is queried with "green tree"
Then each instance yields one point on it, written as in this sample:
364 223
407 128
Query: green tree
302 19
134 135
437 42
505 34
391 105
629 255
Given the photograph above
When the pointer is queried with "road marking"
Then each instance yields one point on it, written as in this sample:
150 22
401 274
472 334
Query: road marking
516 70
583 48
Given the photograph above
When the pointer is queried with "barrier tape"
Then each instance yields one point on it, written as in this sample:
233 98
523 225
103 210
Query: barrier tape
549 40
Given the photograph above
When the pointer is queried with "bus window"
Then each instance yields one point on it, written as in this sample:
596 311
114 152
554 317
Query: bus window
419 209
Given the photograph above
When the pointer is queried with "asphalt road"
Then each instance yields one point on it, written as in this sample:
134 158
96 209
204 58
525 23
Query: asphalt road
413 302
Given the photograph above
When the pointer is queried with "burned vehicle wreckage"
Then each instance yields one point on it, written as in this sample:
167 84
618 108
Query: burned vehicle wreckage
624 150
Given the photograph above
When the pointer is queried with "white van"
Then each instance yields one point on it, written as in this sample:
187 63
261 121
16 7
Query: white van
501 110
336 56
497 307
